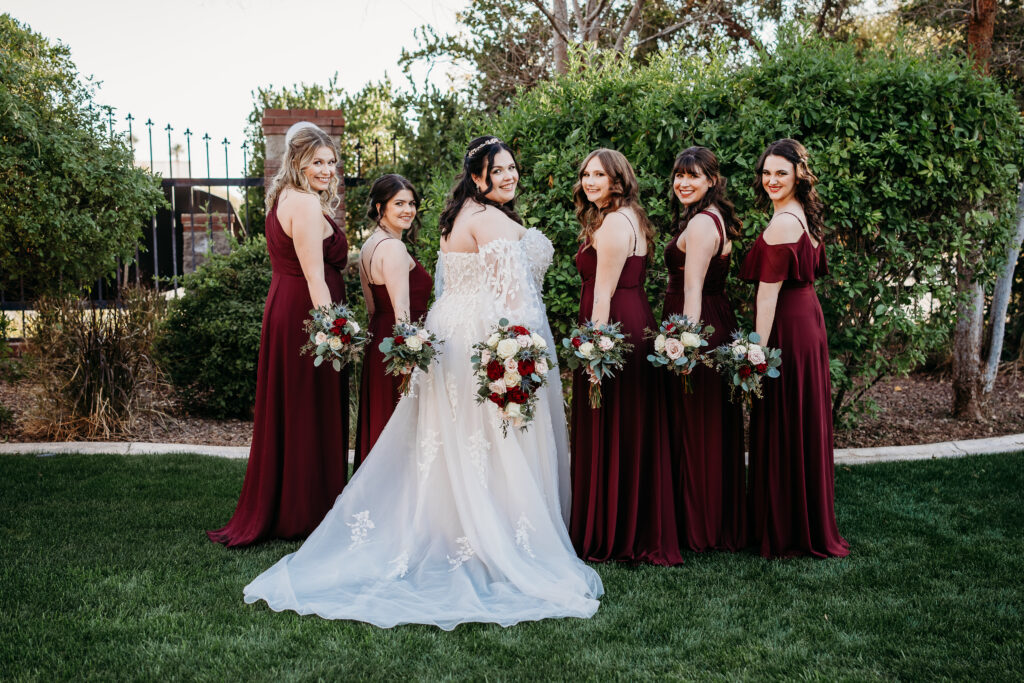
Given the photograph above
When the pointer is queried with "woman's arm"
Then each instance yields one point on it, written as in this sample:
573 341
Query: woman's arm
612 242
395 269
307 233
701 245
767 298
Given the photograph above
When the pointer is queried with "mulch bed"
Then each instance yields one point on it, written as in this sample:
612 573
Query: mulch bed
913 410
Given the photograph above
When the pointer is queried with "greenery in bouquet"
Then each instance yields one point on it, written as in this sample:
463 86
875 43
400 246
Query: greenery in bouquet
678 345
511 365
599 350
411 346
334 335
745 363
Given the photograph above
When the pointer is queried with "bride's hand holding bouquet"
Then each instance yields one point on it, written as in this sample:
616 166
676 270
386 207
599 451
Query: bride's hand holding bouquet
333 334
411 346
599 350
511 365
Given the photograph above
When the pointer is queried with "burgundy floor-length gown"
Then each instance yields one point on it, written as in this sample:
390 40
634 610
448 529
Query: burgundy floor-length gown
298 461
791 488
622 507
378 391
706 429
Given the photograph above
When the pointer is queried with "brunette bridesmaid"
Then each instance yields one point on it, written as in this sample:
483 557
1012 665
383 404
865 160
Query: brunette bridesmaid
298 459
396 287
791 487
705 427
622 506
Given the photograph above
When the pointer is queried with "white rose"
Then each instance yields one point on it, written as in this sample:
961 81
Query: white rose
524 340
355 326
508 348
659 343
586 350
755 354
605 343
674 348
423 334
538 341
321 337
512 379
739 351
541 366
511 365
496 387
485 357
513 410
689 339
334 343
414 343
492 341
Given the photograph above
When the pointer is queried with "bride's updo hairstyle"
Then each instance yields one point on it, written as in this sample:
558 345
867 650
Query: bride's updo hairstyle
698 161
300 146
383 191
796 154
479 157
625 192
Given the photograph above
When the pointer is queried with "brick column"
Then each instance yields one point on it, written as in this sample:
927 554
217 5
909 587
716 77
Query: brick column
276 123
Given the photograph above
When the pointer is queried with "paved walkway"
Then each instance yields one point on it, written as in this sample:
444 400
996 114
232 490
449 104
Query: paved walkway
843 456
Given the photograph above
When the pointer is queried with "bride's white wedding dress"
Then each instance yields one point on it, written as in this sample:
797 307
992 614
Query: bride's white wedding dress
447 521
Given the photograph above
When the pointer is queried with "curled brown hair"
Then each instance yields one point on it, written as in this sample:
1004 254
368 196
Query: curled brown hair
625 192
796 154
477 161
299 151
702 161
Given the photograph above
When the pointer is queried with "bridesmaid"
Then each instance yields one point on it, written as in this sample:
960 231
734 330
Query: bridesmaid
705 428
622 505
396 287
297 461
791 468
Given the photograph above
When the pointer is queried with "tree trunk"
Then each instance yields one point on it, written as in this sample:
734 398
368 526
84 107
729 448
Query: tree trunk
980 28
967 347
1001 300
560 46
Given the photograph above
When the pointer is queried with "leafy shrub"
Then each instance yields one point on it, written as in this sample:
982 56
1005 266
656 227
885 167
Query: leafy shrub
918 158
93 367
209 342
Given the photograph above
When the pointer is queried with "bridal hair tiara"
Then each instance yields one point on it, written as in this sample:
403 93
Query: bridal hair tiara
486 143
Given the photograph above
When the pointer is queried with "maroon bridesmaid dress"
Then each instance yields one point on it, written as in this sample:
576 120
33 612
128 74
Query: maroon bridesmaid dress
378 391
298 460
622 506
706 430
791 487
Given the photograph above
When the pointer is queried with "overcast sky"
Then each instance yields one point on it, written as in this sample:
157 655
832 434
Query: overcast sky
195 63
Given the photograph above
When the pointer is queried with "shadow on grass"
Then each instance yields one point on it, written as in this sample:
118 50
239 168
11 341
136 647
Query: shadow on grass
105 572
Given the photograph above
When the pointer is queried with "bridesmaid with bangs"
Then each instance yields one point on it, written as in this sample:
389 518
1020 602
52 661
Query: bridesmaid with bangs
791 489
622 506
706 429
395 287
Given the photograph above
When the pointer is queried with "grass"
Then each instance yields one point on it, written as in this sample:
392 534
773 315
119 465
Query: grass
105 572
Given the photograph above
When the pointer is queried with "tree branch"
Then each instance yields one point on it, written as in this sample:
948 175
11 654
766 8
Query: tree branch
539 4
667 31
634 16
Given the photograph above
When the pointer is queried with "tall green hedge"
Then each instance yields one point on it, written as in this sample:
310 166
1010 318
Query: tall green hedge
917 157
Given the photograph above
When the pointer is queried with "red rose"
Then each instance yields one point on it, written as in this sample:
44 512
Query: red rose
346 338
577 342
340 322
519 329
745 371
762 368
517 395
429 344
495 399
527 367
670 327
495 370
399 340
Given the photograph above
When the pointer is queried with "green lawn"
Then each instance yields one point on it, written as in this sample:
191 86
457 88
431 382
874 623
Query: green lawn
105 572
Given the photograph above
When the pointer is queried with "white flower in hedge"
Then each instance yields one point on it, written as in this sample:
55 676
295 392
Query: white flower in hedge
512 379
414 343
586 350
541 366
755 354
739 351
492 341
538 341
334 343
485 357
508 348
423 334
659 343
321 337
605 343
514 410
355 326
689 339
496 387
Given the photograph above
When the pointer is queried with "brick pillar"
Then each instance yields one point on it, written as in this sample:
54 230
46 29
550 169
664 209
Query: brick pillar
276 123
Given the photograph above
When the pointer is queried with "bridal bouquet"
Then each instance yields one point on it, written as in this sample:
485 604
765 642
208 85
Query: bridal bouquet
411 346
746 363
334 335
511 365
678 344
598 349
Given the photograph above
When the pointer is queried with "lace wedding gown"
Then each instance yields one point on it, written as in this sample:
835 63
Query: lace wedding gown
447 521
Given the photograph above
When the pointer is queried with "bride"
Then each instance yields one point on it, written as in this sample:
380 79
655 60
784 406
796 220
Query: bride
447 521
